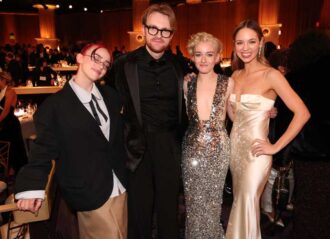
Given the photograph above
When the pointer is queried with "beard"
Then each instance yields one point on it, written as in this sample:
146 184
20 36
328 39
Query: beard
157 47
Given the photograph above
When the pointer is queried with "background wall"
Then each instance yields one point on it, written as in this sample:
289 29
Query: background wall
219 19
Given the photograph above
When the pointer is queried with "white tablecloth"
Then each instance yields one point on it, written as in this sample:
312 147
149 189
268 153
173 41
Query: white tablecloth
27 126
28 130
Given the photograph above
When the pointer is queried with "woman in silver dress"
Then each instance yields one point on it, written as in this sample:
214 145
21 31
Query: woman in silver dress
206 146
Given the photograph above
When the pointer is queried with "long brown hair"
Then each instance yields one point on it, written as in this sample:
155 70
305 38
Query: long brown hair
237 63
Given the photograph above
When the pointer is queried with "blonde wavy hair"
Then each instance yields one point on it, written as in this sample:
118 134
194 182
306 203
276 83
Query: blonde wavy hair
203 37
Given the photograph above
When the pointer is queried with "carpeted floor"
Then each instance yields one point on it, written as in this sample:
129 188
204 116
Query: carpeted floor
269 230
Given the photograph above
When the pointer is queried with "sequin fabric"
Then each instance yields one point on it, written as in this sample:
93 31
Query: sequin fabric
205 160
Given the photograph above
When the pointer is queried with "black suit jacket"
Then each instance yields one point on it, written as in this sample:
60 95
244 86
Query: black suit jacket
124 77
66 131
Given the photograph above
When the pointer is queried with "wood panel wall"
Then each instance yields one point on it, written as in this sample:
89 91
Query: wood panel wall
219 19
25 27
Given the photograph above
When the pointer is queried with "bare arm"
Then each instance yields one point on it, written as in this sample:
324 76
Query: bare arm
185 89
300 115
11 99
230 89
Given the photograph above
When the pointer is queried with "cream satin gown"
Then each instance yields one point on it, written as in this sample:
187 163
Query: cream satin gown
249 173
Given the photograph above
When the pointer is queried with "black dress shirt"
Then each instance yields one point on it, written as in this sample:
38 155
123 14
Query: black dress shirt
158 91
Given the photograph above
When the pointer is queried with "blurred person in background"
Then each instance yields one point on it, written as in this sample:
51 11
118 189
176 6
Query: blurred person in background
42 74
308 65
14 67
10 128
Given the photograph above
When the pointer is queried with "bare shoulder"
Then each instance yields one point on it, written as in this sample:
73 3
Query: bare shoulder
230 85
277 82
274 74
231 82
10 92
235 74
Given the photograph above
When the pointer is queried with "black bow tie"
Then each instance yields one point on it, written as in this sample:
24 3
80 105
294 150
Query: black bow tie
157 63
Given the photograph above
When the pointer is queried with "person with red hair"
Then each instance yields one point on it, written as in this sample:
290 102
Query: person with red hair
80 127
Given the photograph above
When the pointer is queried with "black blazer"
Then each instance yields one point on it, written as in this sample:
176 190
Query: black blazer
124 77
66 131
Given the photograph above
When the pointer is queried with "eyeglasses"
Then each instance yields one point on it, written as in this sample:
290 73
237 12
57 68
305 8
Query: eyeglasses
98 60
152 30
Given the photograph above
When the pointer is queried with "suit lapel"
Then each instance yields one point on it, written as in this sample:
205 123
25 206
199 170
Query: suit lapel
80 111
179 76
108 98
131 74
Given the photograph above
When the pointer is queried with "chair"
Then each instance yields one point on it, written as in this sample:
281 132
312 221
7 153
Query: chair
4 159
19 220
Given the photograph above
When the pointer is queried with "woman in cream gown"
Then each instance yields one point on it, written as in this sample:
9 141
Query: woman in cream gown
255 89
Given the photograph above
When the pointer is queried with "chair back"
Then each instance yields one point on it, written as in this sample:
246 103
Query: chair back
21 217
4 158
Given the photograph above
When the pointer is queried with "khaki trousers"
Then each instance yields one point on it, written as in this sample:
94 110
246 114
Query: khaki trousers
108 221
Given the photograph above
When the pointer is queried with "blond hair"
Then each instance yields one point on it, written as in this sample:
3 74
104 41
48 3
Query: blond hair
203 37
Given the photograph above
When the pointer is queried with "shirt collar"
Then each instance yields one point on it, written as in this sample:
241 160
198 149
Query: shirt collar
145 56
83 95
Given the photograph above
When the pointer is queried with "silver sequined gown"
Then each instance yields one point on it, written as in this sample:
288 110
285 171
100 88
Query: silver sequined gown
205 160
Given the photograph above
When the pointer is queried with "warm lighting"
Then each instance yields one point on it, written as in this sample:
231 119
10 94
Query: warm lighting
44 6
266 31
57 6
101 11
139 38
279 32
193 1
85 9
70 6
12 36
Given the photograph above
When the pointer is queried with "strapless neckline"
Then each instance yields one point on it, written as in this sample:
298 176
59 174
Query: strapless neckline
247 94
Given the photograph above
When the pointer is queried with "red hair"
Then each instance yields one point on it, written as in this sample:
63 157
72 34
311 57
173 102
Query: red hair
90 45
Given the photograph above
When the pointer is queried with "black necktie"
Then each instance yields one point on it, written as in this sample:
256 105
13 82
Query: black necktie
96 116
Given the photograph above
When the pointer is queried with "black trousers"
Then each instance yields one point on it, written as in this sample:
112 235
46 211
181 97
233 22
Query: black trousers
155 185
